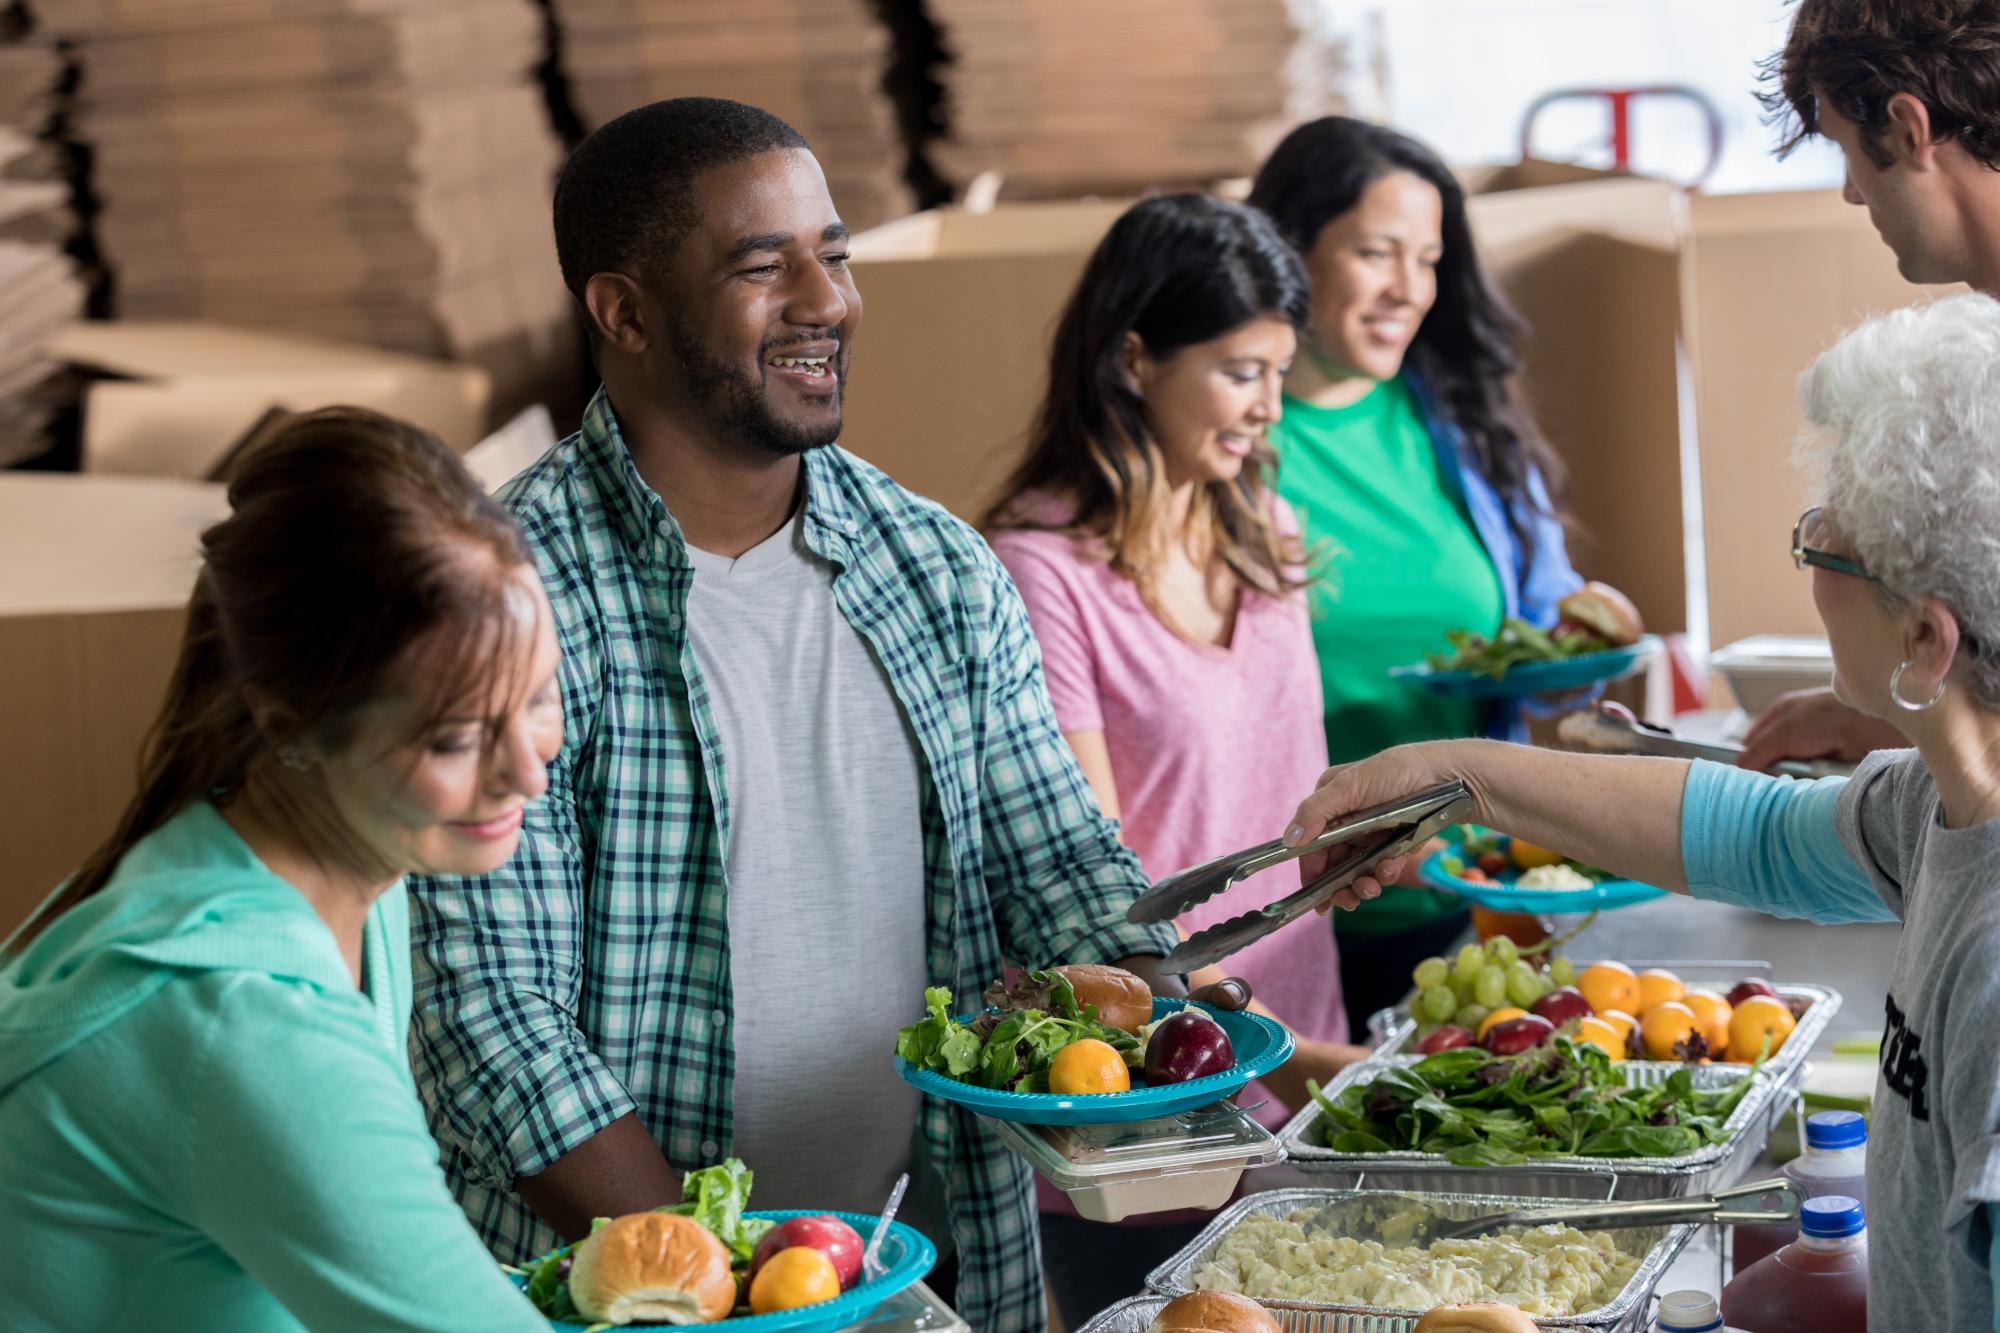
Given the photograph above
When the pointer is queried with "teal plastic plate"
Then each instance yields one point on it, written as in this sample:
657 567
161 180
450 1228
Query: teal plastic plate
907 1255
1571 673
1503 896
1260 1047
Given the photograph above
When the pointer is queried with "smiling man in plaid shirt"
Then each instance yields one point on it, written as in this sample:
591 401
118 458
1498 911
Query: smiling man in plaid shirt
809 763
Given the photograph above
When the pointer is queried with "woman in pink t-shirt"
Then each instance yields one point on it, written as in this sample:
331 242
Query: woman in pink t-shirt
1164 580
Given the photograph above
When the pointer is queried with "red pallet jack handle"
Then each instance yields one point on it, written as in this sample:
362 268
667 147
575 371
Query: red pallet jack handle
1620 102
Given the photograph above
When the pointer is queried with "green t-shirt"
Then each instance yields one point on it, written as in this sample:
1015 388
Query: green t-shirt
1399 564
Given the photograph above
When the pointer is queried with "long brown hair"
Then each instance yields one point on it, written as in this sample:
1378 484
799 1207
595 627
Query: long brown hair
1176 270
351 536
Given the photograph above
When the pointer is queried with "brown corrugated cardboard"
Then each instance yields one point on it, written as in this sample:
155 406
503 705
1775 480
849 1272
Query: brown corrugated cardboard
94 572
951 359
191 390
1770 281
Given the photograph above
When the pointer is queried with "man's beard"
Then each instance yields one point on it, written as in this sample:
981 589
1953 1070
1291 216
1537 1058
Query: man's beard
736 405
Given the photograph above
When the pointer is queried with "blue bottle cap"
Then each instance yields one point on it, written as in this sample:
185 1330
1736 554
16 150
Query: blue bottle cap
1836 1129
1831 1217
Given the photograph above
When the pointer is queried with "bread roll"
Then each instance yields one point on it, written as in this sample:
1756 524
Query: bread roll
1214 1312
1605 612
1122 1000
1476 1317
656 1268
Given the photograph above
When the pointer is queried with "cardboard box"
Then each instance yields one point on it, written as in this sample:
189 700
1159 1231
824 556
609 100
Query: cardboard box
1769 282
94 575
186 392
952 356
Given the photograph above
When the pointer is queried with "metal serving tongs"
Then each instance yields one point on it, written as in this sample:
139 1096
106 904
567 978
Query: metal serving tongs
1387 830
1774 1202
1611 728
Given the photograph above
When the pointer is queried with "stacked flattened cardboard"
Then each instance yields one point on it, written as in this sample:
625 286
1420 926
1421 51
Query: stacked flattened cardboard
817 63
43 292
374 171
1116 96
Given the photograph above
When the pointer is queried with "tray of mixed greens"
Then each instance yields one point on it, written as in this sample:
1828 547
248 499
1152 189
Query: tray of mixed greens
1561 1119
1036 1055
716 1198
1519 659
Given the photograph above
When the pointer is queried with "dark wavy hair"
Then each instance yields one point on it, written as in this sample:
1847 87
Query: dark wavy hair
1177 270
1468 349
1859 53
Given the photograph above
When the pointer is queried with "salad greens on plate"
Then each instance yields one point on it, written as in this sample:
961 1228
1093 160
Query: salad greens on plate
1515 643
1011 1044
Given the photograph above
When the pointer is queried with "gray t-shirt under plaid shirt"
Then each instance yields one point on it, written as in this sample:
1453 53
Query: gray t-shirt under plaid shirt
826 872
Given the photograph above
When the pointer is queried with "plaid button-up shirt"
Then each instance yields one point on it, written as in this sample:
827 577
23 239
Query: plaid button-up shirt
590 977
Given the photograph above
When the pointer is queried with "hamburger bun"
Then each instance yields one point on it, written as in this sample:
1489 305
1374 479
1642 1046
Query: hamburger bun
1214 1312
1605 612
1476 1317
652 1268
1123 1001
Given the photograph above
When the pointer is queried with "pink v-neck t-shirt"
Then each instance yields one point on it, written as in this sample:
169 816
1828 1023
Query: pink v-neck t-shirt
1211 747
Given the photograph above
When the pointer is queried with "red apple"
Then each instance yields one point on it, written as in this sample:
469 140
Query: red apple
1517 1035
1187 1046
1749 986
825 1233
1447 1038
1562 1006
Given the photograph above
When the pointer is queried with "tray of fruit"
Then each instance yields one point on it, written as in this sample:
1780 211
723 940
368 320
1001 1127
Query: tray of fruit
708 1259
1494 994
1510 875
1084 1045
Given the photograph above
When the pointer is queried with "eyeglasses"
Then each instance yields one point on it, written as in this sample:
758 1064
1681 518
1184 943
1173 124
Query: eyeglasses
1803 553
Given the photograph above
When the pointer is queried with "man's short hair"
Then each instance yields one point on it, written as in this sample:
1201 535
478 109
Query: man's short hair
1857 54
625 199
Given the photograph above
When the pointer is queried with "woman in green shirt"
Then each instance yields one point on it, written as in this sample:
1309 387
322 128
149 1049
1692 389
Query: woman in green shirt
204 1092
1413 465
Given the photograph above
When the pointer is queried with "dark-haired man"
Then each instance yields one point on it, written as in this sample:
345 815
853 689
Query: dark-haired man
1911 93
809 767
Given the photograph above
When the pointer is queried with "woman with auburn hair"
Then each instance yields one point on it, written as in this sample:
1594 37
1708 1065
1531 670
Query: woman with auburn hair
204 1088
1163 580
1408 454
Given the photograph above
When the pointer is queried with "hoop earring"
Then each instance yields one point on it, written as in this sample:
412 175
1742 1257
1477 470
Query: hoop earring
291 756
1896 692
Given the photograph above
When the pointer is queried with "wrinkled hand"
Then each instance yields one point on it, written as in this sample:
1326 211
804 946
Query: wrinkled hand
1228 993
1346 788
1813 724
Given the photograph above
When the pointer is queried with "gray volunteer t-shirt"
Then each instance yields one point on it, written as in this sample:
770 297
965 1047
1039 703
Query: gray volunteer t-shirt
1934 1137
825 866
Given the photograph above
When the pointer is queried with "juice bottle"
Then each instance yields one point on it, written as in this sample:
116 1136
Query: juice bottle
1817 1284
1835 1162
1690 1312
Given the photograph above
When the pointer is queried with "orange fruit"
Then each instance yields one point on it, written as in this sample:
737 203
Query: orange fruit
1713 1013
1609 986
1667 1031
1656 987
1756 1019
1496 1018
1626 1025
1527 856
1088 1066
1524 928
1604 1036
794 1276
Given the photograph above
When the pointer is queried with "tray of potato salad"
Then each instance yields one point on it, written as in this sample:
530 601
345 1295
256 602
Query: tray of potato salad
1356 1252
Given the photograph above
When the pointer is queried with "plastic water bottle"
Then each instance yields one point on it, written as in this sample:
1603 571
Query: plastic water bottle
1817 1284
1690 1312
1835 1161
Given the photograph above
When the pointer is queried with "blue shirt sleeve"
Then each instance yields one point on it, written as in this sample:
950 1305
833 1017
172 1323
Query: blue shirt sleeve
1771 844
1993 1257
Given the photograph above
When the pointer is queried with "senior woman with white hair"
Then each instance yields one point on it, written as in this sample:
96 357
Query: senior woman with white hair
1904 552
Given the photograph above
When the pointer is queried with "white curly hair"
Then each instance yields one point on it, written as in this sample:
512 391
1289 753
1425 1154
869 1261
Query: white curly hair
1908 461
